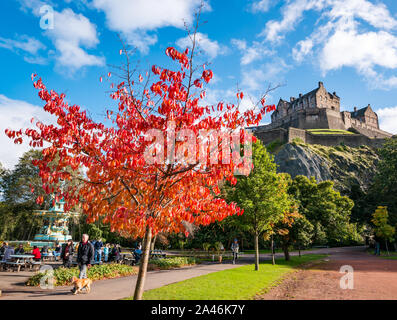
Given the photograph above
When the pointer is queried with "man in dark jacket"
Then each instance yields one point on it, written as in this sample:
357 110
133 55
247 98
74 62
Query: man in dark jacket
85 254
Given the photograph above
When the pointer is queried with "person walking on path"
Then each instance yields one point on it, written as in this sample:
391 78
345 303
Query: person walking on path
377 247
106 250
234 248
98 250
85 254
67 254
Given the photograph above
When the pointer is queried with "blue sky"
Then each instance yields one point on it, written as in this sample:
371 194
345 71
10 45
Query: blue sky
350 45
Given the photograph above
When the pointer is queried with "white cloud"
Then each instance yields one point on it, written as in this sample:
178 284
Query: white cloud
16 114
343 40
256 51
256 78
292 14
71 32
388 119
261 6
133 18
211 48
25 43
26 46
362 51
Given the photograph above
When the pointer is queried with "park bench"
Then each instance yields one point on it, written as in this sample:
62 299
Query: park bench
157 254
35 265
15 266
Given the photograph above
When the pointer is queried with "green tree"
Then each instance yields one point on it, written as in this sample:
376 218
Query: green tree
325 209
263 196
382 228
384 189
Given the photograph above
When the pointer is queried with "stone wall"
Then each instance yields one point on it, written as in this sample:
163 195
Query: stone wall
294 133
271 135
368 130
351 140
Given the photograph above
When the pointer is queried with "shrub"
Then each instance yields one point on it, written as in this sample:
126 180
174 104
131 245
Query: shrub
98 272
297 141
274 145
175 262
206 246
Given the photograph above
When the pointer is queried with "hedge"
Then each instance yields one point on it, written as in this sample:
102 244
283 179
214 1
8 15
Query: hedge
97 272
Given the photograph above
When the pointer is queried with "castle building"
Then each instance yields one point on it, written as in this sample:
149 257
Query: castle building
320 109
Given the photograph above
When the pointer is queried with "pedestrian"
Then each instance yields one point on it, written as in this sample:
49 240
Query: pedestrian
377 248
106 250
115 253
67 254
85 254
234 248
98 250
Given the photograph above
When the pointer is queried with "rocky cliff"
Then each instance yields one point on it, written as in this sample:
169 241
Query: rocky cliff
344 165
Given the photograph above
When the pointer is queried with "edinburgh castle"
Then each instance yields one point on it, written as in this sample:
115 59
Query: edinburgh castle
319 109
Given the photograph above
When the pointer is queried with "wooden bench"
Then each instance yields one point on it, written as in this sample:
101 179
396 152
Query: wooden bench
35 265
157 254
16 266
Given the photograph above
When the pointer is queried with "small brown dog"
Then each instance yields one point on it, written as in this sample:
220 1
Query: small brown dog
79 284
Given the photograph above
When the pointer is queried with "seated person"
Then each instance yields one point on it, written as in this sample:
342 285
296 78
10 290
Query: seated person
57 251
36 253
20 249
3 248
7 254
44 249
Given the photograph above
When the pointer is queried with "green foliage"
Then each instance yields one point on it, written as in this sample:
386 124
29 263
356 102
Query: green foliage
63 276
297 141
274 145
326 210
384 189
382 228
262 194
174 262
206 246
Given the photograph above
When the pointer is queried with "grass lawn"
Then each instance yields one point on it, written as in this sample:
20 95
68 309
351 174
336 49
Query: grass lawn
328 131
234 284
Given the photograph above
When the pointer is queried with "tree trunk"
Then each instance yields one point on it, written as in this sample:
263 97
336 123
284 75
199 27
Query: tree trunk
387 248
272 248
286 252
299 248
153 242
256 251
140 282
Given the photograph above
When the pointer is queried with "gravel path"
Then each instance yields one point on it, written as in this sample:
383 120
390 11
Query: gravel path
374 278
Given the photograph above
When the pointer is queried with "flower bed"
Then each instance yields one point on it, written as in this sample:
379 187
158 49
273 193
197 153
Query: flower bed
97 272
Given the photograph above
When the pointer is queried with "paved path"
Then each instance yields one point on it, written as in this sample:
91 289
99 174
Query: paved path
12 284
373 278
111 289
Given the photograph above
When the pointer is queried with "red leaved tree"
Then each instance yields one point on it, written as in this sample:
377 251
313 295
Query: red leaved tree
152 170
